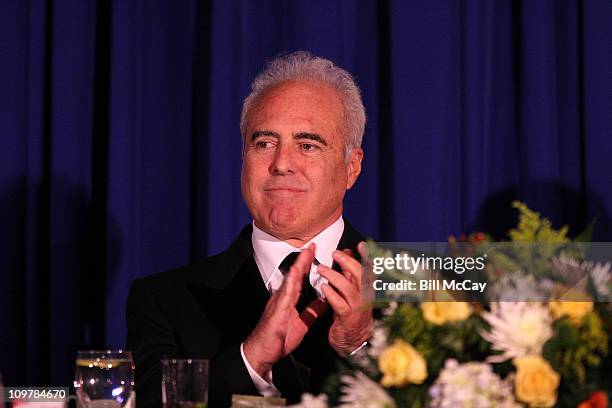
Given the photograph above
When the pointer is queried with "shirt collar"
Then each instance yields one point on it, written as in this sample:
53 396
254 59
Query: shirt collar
270 251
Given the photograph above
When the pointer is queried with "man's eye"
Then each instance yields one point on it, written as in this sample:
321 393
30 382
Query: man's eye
263 144
309 147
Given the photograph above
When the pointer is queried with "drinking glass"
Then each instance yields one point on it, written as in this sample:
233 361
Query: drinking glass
104 379
184 383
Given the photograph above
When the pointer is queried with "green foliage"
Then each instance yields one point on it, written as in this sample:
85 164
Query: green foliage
533 228
575 351
406 323
332 384
520 254
411 396
580 355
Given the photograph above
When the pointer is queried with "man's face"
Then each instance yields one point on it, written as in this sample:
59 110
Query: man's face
294 172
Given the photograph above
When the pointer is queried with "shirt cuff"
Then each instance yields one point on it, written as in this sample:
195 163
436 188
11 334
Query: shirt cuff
354 351
263 386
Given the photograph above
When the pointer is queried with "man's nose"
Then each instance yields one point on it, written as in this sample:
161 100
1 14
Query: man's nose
283 161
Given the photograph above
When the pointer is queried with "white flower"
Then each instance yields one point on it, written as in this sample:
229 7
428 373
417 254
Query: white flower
517 329
311 401
601 275
569 271
362 392
577 274
470 385
517 286
379 340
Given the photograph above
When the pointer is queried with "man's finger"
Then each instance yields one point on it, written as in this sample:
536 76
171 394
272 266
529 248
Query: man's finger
294 279
341 284
305 259
364 252
336 301
350 253
367 275
289 292
351 268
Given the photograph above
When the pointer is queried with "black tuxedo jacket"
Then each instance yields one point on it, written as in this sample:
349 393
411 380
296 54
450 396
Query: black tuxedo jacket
207 310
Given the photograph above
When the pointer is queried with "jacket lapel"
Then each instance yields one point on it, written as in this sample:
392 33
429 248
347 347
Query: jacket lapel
349 240
230 291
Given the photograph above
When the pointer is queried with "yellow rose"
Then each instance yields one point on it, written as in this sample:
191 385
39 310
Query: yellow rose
443 312
535 382
401 364
574 310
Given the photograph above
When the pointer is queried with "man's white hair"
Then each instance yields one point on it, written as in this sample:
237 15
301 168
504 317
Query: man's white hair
301 65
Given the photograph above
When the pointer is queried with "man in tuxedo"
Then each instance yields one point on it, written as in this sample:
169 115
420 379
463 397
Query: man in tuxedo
276 310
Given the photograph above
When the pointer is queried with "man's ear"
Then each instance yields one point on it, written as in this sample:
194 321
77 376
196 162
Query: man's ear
354 166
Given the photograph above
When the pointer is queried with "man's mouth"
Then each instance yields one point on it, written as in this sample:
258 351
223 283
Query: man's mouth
283 190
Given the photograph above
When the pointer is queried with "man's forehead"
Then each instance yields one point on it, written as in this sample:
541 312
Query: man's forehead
303 102
298 107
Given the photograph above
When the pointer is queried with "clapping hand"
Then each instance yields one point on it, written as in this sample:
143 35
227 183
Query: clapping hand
350 297
281 329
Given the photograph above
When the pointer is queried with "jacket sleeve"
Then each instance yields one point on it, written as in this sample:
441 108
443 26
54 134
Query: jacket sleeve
151 338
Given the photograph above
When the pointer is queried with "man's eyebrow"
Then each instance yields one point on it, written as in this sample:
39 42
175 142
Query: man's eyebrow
260 133
310 136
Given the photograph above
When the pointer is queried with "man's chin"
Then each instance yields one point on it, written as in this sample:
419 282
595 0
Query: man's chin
285 228
282 230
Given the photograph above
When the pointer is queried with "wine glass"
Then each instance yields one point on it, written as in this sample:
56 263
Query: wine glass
104 379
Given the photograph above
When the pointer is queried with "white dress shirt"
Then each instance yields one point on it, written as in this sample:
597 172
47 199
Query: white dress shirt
269 252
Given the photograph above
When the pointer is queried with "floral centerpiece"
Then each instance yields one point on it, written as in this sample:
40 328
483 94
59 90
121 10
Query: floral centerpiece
492 354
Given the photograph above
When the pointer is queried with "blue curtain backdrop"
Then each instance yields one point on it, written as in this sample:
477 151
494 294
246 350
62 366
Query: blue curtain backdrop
120 148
